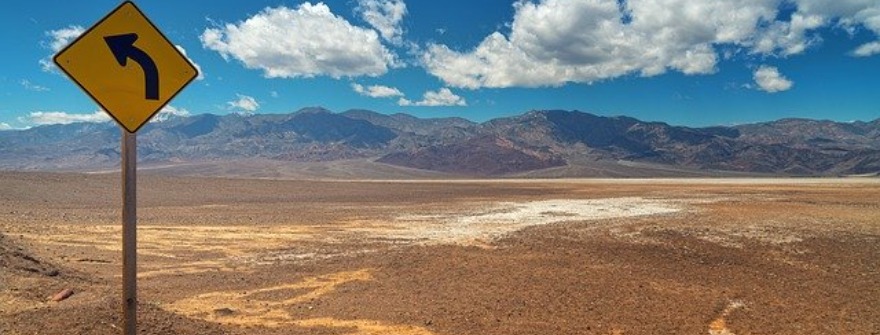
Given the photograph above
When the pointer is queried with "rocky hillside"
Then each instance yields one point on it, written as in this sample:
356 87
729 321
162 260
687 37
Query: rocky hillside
533 141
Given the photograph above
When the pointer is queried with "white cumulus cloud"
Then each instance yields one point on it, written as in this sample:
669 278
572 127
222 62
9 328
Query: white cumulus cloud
43 118
58 39
306 41
442 97
867 49
385 16
55 117
196 65
62 37
850 13
770 80
554 42
792 37
376 91
789 38
244 104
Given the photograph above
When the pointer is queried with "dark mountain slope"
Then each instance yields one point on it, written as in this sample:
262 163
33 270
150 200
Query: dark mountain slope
517 145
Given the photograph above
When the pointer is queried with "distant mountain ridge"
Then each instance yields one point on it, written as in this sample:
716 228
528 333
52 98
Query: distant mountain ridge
537 143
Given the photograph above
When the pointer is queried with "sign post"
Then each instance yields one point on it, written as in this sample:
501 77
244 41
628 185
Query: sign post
130 69
129 232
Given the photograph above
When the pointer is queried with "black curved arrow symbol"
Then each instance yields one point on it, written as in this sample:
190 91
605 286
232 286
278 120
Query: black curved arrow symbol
123 48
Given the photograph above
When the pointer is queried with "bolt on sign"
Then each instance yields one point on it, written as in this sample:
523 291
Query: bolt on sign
127 66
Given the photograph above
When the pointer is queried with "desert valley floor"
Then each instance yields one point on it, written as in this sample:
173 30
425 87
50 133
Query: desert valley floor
253 256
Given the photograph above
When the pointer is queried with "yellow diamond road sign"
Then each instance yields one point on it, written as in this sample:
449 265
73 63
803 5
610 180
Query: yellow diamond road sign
127 66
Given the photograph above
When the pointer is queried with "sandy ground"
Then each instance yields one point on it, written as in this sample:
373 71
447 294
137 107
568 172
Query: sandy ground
239 256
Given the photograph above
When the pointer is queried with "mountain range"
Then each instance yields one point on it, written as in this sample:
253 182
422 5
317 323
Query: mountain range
362 143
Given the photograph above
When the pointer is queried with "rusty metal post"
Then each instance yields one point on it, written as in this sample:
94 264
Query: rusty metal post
129 232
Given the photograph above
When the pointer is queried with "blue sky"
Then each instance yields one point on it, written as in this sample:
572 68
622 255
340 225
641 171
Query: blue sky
688 62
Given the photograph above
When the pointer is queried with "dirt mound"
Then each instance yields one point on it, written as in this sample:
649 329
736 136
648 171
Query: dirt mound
28 282
15 258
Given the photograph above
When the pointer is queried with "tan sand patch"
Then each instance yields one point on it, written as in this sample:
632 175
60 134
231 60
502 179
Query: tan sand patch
719 325
363 327
268 307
